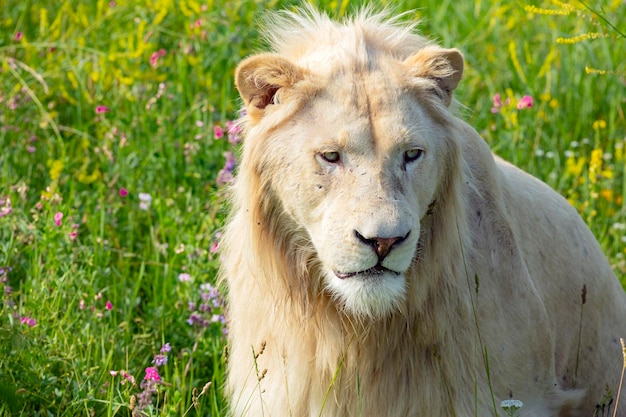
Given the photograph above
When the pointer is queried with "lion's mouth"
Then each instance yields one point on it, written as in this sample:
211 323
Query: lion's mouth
372 272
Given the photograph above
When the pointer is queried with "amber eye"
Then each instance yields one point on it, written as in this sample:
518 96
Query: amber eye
413 155
332 157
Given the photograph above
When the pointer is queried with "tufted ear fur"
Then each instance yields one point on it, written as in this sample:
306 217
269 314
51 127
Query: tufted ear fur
260 77
444 66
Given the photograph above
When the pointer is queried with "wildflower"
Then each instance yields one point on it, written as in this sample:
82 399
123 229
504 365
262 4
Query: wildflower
225 175
145 200
184 277
102 109
148 385
194 318
214 247
230 161
72 235
166 348
525 103
497 103
599 124
155 57
152 374
18 36
595 164
123 192
7 209
58 218
126 377
160 359
31 149
234 132
113 373
81 304
218 132
28 321
511 406
108 305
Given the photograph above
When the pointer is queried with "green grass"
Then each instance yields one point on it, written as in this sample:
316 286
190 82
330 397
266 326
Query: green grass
58 155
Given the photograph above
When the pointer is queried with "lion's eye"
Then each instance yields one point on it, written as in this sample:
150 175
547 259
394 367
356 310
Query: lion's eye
332 157
413 155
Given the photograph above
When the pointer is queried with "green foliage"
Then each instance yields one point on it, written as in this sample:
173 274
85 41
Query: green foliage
110 114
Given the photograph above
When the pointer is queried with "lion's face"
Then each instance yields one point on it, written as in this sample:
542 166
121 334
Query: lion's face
357 168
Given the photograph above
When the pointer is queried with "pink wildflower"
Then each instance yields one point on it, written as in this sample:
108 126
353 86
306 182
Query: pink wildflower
58 218
214 247
7 209
123 192
102 109
28 321
108 305
152 374
127 378
18 36
72 235
497 103
218 132
525 103
113 373
184 277
153 59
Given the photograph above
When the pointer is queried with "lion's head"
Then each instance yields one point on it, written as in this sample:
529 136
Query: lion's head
350 155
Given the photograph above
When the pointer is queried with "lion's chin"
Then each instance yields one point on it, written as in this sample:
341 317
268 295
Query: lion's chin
374 293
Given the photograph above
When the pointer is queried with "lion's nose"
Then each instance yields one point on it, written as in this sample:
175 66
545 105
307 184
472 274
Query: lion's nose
381 245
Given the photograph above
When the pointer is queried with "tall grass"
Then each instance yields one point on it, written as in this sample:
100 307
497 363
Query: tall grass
115 149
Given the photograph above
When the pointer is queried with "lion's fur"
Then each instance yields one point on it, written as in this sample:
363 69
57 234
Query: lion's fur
489 304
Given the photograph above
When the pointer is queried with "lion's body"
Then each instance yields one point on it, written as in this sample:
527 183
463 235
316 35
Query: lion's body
387 262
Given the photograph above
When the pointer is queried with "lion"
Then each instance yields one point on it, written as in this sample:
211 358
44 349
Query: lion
381 261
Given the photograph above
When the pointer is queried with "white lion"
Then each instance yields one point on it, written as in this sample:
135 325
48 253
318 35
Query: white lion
381 262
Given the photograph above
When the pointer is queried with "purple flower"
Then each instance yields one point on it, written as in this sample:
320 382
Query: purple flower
160 359
234 132
230 161
166 348
194 318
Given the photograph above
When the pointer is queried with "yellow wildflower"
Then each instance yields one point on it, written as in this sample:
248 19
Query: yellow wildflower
599 124
574 166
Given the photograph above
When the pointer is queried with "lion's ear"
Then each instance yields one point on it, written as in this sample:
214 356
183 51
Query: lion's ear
445 66
259 78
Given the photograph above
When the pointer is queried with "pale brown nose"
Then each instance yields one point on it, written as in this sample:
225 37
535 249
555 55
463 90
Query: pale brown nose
381 245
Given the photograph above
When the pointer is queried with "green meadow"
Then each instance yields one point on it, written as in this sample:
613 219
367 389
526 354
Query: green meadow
117 146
